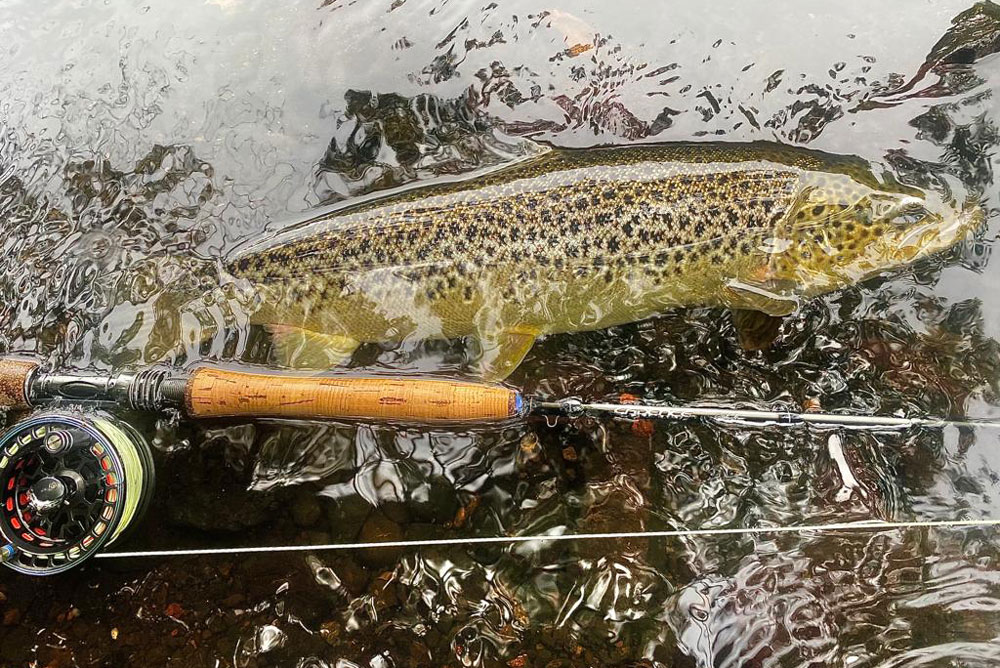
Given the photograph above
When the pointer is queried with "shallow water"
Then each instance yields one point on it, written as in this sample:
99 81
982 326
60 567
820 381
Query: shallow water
138 140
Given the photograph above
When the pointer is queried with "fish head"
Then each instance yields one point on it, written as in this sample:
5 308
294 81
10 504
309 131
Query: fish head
840 235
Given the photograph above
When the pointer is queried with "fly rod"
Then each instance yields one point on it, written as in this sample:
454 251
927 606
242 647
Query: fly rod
216 392
72 481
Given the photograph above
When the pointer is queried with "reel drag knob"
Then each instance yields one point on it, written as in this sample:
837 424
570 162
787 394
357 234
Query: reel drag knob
70 484
47 495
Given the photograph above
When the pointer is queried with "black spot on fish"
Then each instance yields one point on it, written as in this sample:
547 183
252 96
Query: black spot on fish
818 210
581 203
608 194
613 245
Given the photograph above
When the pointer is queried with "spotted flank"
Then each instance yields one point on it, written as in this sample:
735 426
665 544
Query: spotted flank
584 239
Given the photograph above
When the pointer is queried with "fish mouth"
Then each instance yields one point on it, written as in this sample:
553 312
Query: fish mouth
926 240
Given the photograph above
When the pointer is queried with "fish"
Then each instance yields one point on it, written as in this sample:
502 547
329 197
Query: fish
584 239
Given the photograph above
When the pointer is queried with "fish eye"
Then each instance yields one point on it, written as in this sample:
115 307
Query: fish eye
909 213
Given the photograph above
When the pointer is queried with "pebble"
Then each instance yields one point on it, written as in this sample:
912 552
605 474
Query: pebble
306 510
380 529
330 632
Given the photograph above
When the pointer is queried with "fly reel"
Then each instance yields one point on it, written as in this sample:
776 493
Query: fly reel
70 484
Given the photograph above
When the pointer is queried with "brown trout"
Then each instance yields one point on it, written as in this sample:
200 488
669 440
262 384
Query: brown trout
583 239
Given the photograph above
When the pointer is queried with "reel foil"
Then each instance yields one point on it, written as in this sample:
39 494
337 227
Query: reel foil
70 484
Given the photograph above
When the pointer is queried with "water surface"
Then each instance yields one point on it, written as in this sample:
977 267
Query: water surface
141 140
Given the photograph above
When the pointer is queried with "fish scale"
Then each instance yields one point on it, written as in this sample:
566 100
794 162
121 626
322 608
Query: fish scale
584 239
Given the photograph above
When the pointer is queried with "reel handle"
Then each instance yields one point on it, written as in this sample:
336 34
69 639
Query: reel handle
214 392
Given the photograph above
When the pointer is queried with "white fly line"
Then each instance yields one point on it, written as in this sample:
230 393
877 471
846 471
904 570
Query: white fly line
869 526
573 407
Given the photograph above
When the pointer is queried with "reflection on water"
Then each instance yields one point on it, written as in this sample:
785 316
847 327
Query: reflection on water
140 143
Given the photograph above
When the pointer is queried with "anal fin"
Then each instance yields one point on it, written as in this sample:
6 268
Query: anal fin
300 348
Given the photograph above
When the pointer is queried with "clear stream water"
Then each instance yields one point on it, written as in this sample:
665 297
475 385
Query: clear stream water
137 138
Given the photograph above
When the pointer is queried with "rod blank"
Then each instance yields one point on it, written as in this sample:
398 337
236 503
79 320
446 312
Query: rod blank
641 411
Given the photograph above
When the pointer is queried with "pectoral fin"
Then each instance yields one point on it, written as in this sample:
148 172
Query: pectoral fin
775 298
299 348
504 351
756 330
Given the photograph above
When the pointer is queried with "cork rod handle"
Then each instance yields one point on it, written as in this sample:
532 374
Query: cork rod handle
14 377
215 392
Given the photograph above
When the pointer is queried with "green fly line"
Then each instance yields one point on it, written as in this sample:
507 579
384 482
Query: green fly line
133 478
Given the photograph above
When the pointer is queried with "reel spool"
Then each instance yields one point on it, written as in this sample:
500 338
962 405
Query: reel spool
70 484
